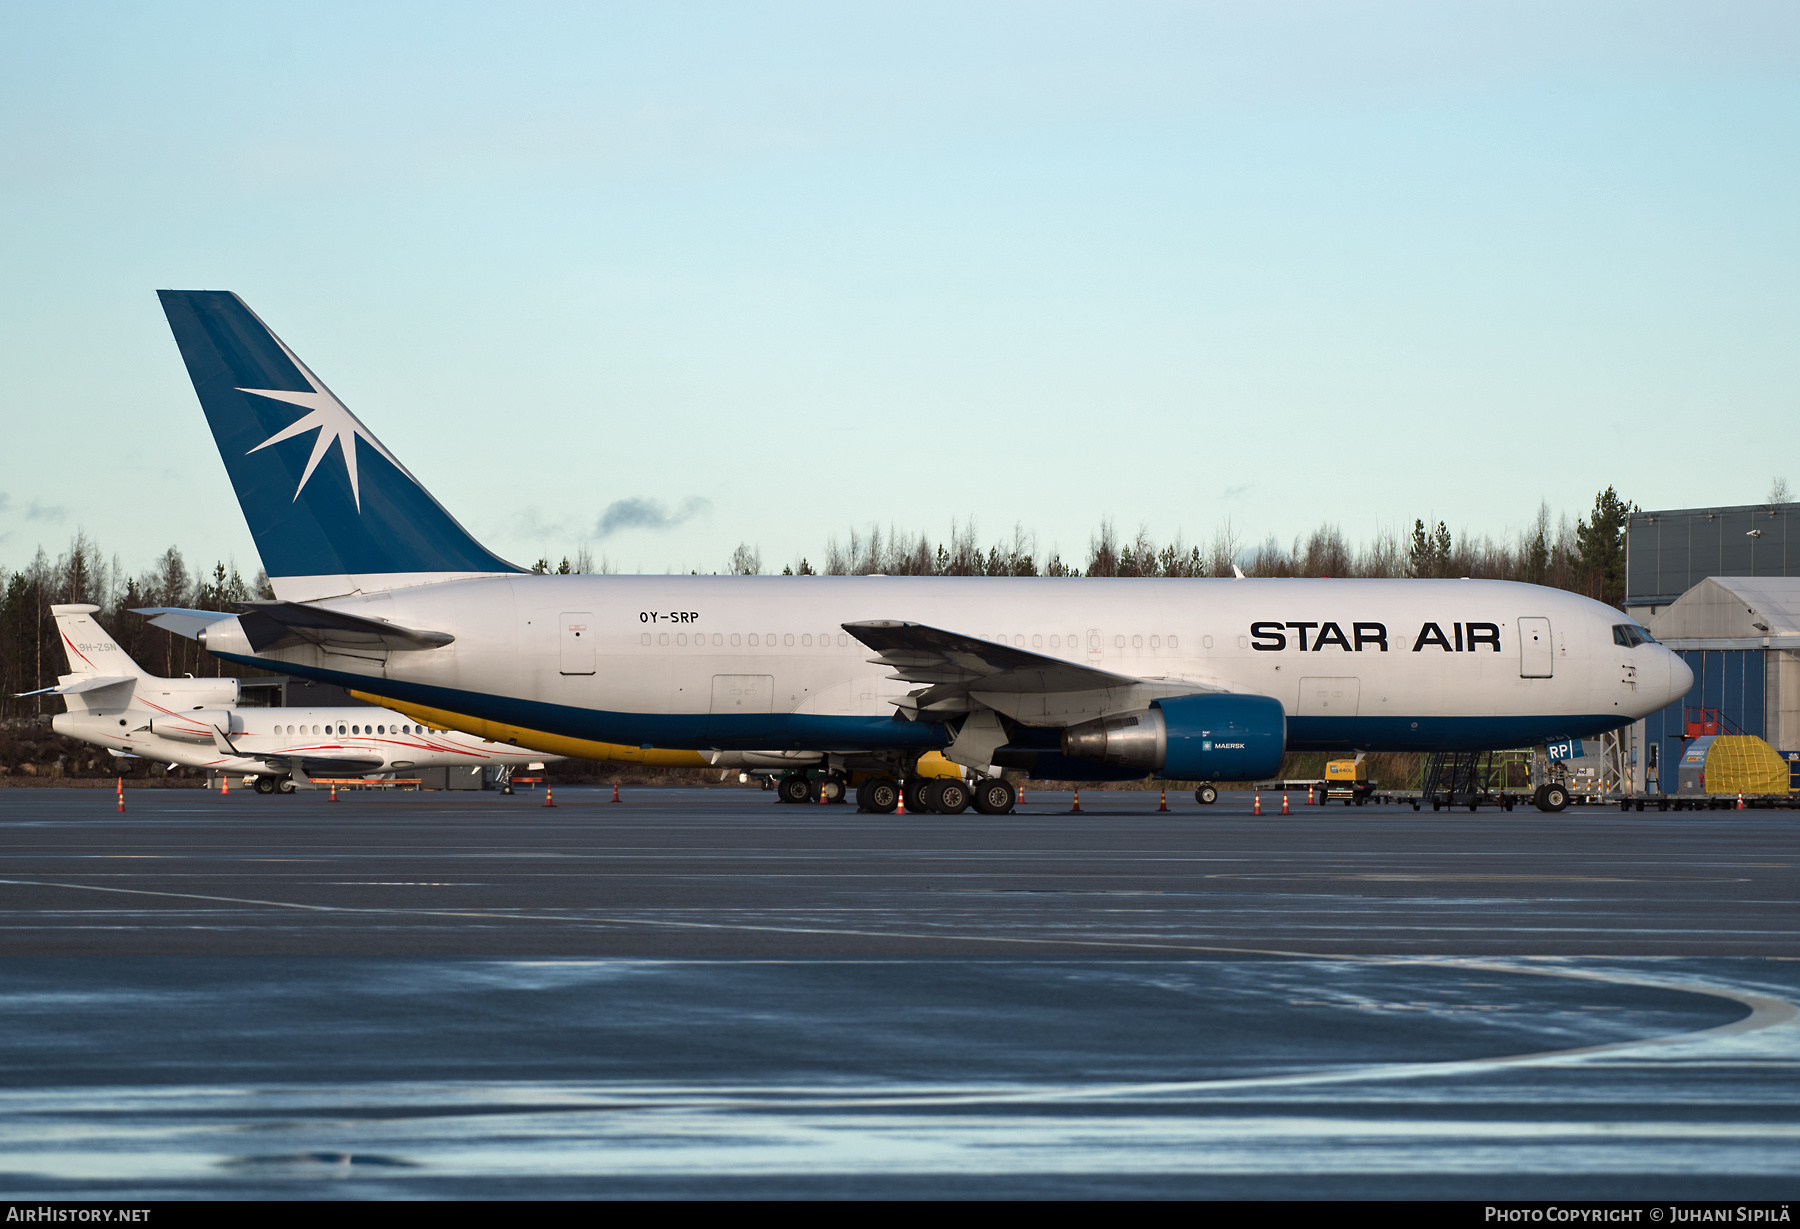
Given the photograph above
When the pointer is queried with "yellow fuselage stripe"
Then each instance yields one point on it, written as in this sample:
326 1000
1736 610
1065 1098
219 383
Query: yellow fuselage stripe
538 740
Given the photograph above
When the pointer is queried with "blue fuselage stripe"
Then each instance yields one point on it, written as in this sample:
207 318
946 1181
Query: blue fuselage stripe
814 732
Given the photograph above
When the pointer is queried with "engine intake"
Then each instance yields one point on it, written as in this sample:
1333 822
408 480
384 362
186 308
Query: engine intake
1206 737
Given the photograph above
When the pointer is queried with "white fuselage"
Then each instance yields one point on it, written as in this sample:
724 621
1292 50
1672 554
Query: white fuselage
764 662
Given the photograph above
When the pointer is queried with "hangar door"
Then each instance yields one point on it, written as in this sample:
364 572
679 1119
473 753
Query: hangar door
1537 659
577 642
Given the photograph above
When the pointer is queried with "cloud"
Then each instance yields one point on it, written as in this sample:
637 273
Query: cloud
45 512
637 513
1232 492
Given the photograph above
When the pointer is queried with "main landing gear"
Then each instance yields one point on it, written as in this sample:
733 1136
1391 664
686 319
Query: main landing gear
271 785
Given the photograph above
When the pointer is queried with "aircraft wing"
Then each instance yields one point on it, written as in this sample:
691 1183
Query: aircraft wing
962 673
921 654
275 625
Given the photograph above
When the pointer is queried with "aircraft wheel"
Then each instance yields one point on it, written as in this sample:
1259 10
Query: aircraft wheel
995 797
795 789
265 785
950 797
878 795
286 785
831 789
1206 795
917 794
768 783
1554 798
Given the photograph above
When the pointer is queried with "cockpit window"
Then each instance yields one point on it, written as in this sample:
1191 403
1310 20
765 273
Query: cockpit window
1630 635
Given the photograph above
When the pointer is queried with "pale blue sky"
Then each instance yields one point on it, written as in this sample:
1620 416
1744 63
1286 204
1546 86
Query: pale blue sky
826 265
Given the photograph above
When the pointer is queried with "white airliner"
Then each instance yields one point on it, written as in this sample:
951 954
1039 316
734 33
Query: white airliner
380 589
196 722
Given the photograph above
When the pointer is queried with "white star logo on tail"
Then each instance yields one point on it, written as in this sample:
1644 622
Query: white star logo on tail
330 418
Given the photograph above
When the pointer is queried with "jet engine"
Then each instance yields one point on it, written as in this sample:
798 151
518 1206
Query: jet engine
194 727
1205 737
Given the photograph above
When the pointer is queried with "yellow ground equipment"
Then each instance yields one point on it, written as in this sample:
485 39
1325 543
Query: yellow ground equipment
1732 764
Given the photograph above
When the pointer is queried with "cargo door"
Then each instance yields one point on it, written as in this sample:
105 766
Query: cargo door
1329 697
736 696
1537 658
577 642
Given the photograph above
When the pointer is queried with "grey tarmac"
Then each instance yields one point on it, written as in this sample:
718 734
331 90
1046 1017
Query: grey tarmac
700 992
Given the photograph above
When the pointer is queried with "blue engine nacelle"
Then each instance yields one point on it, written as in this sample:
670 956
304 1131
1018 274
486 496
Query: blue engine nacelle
1205 737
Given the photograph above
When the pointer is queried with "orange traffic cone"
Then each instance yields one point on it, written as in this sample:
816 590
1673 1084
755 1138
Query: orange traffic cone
900 803
615 791
548 801
121 795
1309 795
1020 800
1740 805
1164 804
1284 804
334 791
225 787
1256 803
822 798
1077 807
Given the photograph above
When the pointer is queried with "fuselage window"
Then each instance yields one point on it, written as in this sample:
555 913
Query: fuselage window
341 730
1056 642
752 639
1137 642
644 639
788 640
806 640
681 638
771 640
1037 642
1118 642
843 640
663 639
734 640
1156 642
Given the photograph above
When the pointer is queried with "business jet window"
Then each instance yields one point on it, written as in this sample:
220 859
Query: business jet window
1630 635
340 729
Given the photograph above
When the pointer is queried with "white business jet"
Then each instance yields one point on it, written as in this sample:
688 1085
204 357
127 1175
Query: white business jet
196 722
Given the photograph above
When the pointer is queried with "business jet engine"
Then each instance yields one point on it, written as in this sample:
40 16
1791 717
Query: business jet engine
1208 737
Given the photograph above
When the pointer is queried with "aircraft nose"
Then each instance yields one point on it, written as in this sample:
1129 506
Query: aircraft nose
1681 677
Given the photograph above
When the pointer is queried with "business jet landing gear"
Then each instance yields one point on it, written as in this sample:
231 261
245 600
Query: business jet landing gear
265 785
994 796
286 785
878 795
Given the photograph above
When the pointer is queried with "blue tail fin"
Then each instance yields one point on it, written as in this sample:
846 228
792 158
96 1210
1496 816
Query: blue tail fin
327 503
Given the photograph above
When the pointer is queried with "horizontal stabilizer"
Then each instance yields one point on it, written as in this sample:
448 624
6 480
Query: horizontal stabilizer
69 689
182 622
273 625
